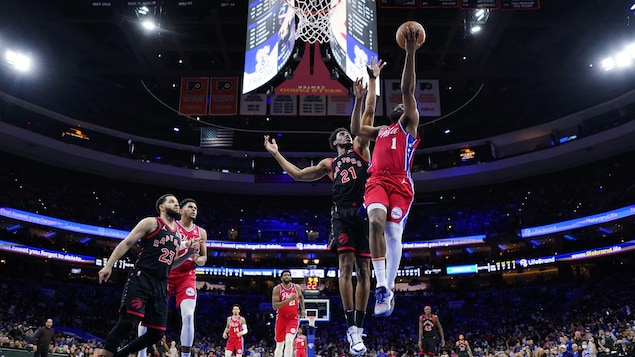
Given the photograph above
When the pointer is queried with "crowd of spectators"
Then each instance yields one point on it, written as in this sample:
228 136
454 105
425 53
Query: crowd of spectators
494 210
505 318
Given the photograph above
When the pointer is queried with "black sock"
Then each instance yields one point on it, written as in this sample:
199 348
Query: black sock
350 318
359 318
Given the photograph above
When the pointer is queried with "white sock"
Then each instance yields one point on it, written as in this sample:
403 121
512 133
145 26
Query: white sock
392 233
187 328
379 265
140 331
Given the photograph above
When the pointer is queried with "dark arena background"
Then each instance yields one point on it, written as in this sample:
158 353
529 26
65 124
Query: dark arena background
521 235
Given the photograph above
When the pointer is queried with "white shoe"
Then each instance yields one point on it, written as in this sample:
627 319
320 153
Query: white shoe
357 347
360 332
384 302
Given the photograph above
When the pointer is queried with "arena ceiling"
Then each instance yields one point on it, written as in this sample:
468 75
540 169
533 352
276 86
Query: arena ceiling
523 69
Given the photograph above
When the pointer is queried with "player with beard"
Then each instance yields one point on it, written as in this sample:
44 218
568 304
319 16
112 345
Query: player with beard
182 279
288 301
145 295
349 233
390 190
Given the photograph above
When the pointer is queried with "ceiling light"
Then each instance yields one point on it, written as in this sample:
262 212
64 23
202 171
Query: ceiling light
149 25
19 61
608 64
475 29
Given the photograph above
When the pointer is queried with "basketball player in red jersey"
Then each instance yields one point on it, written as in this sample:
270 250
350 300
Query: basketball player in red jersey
288 301
390 189
145 294
349 230
429 326
300 344
182 279
234 331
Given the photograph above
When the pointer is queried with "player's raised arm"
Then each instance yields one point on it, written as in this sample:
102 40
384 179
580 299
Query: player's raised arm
307 174
368 117
410 119
358 129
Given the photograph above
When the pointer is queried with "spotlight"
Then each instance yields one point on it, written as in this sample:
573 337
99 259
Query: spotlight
288 74
270 92
19 61
335 75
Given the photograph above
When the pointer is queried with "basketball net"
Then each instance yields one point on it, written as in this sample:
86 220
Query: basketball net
314 19
312 320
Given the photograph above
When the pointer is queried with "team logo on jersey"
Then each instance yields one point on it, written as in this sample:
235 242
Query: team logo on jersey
342 238
136 303
396 213
190 291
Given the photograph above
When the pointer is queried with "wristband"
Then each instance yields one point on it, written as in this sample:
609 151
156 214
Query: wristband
371 73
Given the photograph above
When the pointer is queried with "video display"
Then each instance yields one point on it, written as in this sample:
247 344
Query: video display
354 31
270 41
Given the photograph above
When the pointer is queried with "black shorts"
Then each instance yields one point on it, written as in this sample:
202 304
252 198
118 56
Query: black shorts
428 346
349 231
146 297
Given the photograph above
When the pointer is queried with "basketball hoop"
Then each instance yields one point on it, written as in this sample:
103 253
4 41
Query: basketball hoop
314 19
312 320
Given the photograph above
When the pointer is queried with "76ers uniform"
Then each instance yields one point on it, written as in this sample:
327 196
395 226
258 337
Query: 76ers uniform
349 231
235 342
287 318
182 280
300 346
390 182
429 337
145 294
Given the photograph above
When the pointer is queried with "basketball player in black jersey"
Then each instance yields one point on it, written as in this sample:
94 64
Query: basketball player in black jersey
429 327
145 295
349 230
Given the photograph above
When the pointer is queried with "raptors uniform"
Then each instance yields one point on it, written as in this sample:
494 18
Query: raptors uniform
349 231
145 294
182 280
287 317
429 338
462 348
235 343
300 346
390 183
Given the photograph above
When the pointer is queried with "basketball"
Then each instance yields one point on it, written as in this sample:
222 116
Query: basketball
401 31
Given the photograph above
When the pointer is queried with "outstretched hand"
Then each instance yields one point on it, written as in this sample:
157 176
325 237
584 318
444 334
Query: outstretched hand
271 146
375 67
360 89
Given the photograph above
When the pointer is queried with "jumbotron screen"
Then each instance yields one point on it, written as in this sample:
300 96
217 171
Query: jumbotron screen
354 28
268 45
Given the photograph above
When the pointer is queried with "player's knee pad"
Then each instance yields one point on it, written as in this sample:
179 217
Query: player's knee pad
393 231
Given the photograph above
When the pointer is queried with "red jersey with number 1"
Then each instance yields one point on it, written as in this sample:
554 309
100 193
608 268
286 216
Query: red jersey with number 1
186 236
394 150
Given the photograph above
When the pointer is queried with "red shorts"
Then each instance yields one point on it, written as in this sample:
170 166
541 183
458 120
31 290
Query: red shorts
300 353
235 345
285 325
183 286
395 192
